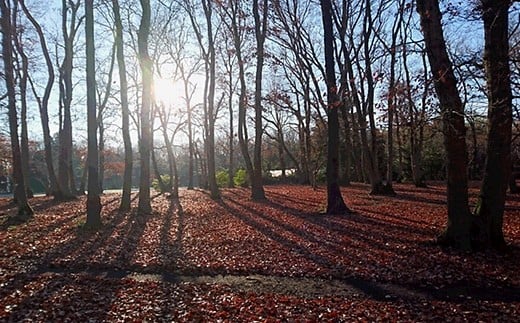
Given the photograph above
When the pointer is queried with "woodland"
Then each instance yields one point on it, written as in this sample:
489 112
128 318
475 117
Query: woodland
259 160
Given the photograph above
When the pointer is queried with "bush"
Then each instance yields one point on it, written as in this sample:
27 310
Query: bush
155 183
222 178
241 179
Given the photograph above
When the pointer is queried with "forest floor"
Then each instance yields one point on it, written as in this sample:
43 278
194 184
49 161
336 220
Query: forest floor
236 260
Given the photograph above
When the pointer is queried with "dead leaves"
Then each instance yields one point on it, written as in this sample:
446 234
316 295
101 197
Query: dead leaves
51 271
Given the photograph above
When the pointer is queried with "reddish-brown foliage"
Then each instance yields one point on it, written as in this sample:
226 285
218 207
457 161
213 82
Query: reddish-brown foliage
236 259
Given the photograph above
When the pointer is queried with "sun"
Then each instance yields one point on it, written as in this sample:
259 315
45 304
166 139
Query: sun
166 92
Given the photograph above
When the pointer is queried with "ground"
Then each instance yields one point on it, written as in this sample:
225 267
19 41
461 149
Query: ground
236 260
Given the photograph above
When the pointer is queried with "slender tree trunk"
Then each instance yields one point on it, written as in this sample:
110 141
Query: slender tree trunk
65 153
101 153
242 101
335 203
145 145
457 233
191 149
489 211
93 200
257 188
231 170
127 176
43 105
391 99
23 76
24 209
348 145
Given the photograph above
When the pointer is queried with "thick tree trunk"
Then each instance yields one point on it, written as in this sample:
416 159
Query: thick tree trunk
123 84
93 200
335 203
24 209
489 211
145 145
457 233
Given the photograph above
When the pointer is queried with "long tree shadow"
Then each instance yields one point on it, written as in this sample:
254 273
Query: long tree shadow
75 255
250 217
366 287
171 247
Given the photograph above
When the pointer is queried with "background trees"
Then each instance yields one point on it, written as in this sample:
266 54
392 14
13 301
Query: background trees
254 74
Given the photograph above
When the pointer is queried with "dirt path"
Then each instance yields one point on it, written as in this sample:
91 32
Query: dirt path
311 287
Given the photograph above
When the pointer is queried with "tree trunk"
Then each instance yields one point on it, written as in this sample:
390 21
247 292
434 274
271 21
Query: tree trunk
93 200
231 168
190 148
335 203
145 145
22 74
210 115
489 211
257 188
69 29
127 176
346 176
101 153
24 209
457 233
391 99
242 101
43 105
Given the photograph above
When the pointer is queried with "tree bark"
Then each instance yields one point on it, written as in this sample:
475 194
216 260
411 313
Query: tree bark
210 149
335 203
489 211
145 145
43 104
22 72
24 209
93 200
125 112
69 29
457 233
257 188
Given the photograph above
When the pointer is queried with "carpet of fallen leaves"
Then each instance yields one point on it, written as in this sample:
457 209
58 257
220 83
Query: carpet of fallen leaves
236 260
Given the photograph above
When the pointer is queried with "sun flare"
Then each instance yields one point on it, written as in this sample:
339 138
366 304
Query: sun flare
166 92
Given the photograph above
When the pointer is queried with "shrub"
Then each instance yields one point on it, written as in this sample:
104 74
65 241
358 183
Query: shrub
155 183
222 178
241 179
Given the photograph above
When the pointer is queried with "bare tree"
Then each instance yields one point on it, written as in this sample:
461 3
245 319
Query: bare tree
489 211
21 61
24 209
93 200
43 103
145 144
206 43
70 25
123 92
335 203
457 232
257 188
